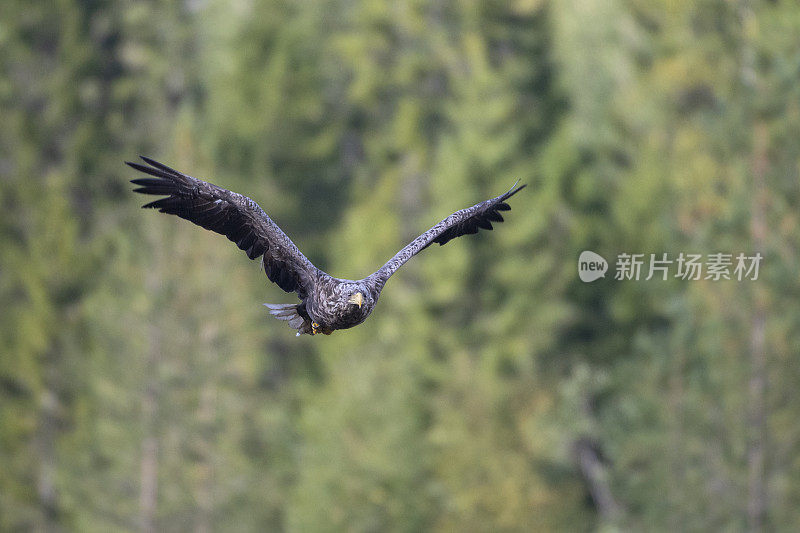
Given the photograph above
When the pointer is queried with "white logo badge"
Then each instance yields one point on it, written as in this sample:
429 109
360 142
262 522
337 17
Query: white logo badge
591 266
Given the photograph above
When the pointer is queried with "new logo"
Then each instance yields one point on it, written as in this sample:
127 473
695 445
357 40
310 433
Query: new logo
591 266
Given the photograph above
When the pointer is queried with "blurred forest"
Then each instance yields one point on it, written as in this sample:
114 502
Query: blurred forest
143 387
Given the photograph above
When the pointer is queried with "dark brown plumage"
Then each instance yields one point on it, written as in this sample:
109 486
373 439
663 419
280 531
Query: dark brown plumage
327 303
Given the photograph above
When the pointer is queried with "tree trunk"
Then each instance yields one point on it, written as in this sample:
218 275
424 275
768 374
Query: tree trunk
759 166
206 419
756 501
594 472
46 457
148 483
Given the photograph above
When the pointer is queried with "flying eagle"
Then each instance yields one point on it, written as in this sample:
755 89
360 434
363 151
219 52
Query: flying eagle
326 303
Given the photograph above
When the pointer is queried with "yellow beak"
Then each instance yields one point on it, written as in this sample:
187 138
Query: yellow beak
357 299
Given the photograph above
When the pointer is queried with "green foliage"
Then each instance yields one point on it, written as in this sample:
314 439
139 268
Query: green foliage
142 386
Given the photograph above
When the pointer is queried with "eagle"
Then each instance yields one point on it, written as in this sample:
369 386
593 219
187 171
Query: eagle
326 303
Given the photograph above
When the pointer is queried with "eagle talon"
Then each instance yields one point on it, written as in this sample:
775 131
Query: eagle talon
316 329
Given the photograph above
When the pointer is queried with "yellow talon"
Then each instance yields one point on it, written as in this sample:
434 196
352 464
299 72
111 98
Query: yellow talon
316 328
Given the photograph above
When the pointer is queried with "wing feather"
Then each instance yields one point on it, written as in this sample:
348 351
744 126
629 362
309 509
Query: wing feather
231 214
465 222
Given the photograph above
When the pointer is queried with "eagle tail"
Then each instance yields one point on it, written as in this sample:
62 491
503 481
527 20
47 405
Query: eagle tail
292 314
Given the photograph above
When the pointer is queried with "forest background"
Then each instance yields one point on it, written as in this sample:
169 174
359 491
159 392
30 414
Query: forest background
144 387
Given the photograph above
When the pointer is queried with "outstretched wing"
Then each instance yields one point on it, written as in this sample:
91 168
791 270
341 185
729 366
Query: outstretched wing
237 217
464 222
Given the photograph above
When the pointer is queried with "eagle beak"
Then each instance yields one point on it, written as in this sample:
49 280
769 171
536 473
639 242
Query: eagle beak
357 299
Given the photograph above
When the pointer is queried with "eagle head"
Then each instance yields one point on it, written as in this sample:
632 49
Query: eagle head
357 298
352 307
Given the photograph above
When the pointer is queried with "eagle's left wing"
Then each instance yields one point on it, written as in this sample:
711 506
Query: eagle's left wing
464 222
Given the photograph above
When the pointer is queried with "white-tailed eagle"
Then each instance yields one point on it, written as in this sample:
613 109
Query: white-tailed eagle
326 303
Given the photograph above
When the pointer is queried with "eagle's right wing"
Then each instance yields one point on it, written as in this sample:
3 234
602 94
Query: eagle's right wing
237 217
